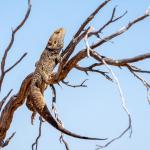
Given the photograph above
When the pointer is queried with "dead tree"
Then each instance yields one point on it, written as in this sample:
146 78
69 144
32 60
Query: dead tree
71 61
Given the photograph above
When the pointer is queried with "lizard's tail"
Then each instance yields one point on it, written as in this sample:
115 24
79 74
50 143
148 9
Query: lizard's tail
41 108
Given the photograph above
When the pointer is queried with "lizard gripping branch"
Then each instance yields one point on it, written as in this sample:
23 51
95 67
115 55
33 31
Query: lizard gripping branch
40 80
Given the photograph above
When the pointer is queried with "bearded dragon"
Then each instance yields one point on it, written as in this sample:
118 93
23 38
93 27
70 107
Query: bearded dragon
40 79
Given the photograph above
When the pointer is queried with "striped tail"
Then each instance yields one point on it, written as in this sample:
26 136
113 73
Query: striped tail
41 108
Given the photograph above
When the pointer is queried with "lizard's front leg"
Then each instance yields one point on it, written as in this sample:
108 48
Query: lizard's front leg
47 78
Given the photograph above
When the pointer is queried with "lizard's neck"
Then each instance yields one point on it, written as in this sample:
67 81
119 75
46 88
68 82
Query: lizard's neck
53 52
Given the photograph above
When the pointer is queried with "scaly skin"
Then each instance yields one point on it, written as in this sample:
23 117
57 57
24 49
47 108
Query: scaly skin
40 79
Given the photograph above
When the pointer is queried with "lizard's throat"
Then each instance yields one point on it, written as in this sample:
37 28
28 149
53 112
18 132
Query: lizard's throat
53 51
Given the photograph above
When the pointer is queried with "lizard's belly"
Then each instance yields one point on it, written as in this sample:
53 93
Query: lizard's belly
48 67
36 80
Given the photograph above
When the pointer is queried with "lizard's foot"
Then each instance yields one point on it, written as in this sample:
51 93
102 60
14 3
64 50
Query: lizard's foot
33 117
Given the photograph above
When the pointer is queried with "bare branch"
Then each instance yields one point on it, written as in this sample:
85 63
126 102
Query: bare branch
54 110
7 141
91 69
4 99
74 86
53 96
115 79
86 39
148 95
56 114
17 100
120 62
14 102
39 135
147 12
120 31
65 142
118 137
110 21
124 107
3 61
16 63
92 15
136 69
145 83
77 37
67 65
83 53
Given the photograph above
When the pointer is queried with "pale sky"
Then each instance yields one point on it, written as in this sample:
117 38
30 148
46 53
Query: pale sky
94 111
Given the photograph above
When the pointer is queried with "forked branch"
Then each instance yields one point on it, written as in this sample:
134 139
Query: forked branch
3 61
78 36
110 21
67 64
121 30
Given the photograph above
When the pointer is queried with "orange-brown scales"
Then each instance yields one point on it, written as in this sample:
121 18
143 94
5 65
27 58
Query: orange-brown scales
40 80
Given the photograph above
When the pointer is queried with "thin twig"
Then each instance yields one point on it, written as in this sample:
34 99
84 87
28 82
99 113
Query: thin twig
85 40
136 69
124 107
16 63
75 86
77 37
61 139
53 95
144 82
71 47
120 31
110 21
54 108
3 144
12 105
56 114
115 79
4 99
91 17
91 69
3 61
148 95
118 62
116 138
38 137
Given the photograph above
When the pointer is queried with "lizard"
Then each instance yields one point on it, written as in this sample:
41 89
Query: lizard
40 79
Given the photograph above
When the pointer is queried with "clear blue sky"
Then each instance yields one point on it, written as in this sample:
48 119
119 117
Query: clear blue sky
94 111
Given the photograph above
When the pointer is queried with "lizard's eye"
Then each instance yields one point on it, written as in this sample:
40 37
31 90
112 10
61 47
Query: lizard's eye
55 42
57 32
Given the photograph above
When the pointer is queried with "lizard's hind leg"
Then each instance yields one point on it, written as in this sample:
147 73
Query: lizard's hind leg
30 106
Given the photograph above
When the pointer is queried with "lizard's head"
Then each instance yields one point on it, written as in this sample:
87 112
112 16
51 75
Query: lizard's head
56 40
